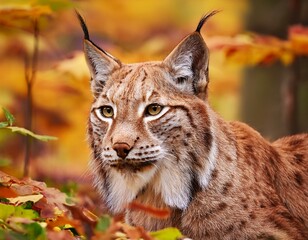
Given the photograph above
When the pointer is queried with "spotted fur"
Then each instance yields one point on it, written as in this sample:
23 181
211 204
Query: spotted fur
220 180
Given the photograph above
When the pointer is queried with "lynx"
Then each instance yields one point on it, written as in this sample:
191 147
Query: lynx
155 140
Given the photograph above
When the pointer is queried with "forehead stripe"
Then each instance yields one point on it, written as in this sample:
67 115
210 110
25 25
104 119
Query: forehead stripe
130 84
135 84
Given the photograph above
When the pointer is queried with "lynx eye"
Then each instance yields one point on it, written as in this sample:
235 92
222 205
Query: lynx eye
153 109
106 111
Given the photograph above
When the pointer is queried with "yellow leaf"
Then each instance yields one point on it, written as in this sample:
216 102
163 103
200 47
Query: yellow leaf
22 199
24 11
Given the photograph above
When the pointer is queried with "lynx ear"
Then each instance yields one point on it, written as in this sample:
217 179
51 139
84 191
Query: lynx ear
100 63
189 62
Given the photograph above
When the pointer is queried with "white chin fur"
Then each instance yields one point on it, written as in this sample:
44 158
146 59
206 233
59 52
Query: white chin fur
123 188
174 184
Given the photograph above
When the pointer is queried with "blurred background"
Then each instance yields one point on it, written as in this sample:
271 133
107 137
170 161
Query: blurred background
258 68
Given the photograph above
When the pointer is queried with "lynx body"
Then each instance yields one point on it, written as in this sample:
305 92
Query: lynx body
155 140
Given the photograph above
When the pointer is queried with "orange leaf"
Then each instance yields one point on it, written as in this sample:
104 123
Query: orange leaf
155 212
89 215
298 36
6 192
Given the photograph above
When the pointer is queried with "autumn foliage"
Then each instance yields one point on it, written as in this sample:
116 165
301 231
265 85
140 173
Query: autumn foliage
254 49
45 95
31 210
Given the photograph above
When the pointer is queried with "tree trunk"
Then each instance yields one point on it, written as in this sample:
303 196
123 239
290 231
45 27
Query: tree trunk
275 97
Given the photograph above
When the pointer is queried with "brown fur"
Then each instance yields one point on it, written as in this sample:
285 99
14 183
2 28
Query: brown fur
221 180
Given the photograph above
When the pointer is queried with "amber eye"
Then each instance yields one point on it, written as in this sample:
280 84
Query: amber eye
153 109
106 111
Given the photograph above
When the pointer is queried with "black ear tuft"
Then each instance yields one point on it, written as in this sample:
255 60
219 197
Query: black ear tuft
101 64
83 26
205 18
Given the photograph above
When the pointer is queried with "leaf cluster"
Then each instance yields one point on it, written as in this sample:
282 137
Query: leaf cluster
31 210
256 49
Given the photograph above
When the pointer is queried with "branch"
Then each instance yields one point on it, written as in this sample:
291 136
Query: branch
30 74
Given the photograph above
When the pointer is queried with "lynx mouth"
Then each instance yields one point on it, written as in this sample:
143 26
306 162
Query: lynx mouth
134 166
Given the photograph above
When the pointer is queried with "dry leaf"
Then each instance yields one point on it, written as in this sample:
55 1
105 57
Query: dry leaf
22 199
153 211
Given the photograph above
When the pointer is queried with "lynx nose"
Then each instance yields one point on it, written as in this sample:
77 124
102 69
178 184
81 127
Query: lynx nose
122 149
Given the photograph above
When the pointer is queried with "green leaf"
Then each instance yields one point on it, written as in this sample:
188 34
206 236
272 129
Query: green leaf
103 223
35 231
4 124
4 200
16 211
9 116
25 213
69 201
6 211
28 205
167 234
26 132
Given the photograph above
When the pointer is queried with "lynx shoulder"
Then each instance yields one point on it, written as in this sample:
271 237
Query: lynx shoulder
156 140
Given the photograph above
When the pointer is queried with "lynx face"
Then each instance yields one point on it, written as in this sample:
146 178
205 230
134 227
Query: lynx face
137 122
146 121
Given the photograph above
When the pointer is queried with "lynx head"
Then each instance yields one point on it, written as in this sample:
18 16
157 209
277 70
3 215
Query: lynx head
149 126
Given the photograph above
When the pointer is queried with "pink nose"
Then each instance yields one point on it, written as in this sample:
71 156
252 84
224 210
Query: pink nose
122 149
